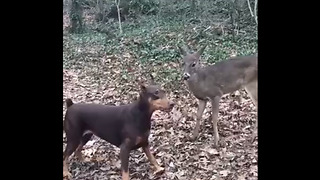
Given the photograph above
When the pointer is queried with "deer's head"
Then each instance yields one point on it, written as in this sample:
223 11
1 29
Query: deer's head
190 62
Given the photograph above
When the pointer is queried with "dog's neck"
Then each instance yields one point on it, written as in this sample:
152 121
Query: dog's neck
144 106
142 113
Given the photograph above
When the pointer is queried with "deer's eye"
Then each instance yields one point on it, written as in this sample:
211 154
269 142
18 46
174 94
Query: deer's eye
194 64
156 92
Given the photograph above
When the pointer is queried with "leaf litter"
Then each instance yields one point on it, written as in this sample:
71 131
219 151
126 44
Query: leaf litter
181 158
94 77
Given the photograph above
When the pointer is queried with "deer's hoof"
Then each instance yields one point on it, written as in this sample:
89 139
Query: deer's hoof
253 138
159 171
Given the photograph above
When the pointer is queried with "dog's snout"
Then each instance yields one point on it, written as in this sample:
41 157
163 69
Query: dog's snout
171 104
186 76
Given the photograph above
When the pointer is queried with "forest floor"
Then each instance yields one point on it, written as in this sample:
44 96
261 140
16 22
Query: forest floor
102 70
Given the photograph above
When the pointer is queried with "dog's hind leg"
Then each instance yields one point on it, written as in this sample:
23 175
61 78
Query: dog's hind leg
73 141
71 147
85 138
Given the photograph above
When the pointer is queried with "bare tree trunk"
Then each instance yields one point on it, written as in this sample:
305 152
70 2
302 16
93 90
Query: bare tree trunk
234 17
66 5
249 6
253 14
193 7
119 15
76 19
100 11
255 11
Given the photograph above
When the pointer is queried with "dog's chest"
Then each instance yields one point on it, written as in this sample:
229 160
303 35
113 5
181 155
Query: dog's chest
142 139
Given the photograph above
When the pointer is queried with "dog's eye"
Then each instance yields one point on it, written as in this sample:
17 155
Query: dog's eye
193 64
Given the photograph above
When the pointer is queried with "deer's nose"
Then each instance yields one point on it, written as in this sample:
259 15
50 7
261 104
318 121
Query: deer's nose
186 76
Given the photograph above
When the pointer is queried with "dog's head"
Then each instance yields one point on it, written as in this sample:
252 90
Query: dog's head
155 96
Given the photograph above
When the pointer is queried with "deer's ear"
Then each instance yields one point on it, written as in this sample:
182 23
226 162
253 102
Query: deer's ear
199 53
182 51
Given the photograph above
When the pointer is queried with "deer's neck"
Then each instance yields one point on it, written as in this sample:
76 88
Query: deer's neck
196 84
196 78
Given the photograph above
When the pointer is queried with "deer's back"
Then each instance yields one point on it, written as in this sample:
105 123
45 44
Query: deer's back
225 76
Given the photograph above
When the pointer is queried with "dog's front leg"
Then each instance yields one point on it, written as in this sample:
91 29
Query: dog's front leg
124 157
153 160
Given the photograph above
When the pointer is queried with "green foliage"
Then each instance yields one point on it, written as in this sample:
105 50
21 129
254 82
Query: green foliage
144 6
152 39
76 18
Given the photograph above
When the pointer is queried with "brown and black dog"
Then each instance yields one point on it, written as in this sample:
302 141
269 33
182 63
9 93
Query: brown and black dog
126 126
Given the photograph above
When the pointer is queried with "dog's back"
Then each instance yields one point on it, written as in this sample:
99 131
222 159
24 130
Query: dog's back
125 126
111 118
69 102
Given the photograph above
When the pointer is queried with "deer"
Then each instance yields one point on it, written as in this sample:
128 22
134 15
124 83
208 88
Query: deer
210 83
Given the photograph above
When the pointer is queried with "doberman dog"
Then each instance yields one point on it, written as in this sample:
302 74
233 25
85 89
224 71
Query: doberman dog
125 126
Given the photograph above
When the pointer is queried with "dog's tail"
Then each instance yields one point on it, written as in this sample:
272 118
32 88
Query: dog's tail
69 102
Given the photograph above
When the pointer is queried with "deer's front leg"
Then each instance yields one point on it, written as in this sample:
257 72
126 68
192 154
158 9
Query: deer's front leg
153 160
201 107
215 111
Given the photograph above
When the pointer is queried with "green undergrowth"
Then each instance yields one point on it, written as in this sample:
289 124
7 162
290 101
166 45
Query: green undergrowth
153 41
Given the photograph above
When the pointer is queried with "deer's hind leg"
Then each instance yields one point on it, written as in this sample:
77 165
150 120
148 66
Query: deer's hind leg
214 115
252 90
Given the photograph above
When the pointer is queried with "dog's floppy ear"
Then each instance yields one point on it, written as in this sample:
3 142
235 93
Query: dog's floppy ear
142 86
152 79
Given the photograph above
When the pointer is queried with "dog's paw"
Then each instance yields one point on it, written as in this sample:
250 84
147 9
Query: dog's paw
193 138
66 175
80 158
219 144
216 144
159 171
253 138
84 159
222 143
97 159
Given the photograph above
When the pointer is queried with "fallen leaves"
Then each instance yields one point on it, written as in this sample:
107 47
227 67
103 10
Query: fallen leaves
224 173
181 158
113 80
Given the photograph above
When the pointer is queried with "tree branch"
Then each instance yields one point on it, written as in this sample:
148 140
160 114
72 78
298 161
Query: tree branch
253 14
119 17
249 6
255 11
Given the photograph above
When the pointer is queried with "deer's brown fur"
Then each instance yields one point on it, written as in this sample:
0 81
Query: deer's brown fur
211 82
